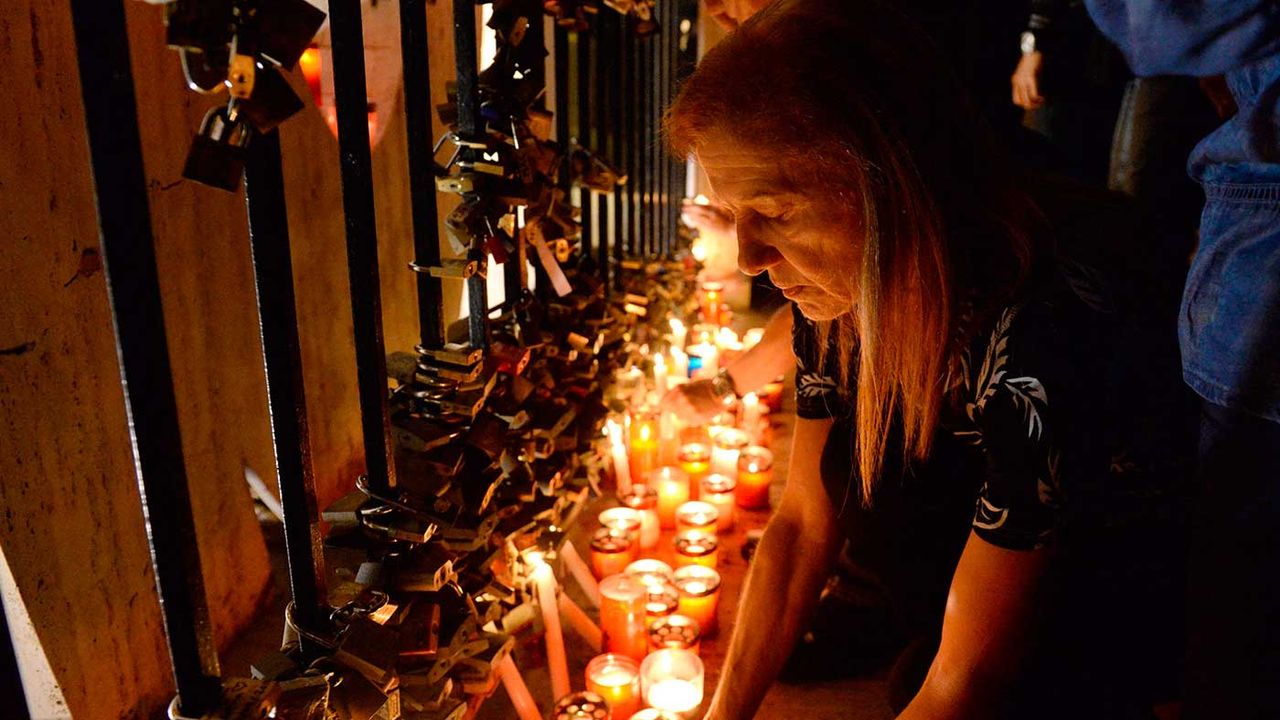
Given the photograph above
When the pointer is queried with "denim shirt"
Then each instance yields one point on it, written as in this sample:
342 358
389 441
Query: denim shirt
1229 324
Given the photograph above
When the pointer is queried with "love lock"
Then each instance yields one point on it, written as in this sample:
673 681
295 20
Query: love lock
218 151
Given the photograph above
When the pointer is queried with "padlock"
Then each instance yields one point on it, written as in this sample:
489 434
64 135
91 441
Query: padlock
371 650
283 29
345 511
273 101
304 698
426 570
217 155
199 24
420 635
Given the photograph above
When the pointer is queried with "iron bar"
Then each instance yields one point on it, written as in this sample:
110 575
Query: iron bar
133 289
422 189
286 392
471 127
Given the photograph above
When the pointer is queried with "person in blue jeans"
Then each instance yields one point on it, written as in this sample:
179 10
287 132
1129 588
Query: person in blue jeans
1229 328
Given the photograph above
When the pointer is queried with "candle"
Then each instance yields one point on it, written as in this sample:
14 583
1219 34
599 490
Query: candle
644 499
663 600
699 595
726 446
675 631
625 383
704 360
616 678
612 550
545 582
654 714
751 416
679 332
621 466
644 443
718 491
625 519
755 472
673 491
672 680
679 363
622 600
578 568
710 301
771 395
650 571
696 548
695 460
696 516
659 374
581 706
752 338
727 339
669 427
526 708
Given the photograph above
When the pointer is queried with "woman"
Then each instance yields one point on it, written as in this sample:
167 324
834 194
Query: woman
964 393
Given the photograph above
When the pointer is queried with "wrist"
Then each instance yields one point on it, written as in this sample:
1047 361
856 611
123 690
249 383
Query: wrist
724 387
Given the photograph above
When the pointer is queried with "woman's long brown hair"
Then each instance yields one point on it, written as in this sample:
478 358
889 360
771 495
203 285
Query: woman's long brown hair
853 102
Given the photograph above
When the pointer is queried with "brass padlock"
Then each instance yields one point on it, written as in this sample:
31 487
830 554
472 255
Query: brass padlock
218 151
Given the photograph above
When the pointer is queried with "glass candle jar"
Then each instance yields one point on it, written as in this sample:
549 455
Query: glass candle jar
616 678
650 571
697 516
642 450
612 550
625 519
581 706
755 473
673 491
728 444
717 491
654 714
699 588
672 680
675 631
695 548
695 460
622 616
644 499
662 601
710 298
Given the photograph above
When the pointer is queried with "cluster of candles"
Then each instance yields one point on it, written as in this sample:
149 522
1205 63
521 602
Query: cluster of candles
686 480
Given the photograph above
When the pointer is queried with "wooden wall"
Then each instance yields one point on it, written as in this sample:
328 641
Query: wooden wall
71 526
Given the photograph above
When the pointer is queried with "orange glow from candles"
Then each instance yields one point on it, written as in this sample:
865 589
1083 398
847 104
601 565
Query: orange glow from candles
755 473
695 548
675 631
622 616
643 451
673 491
616 678
612 550
309 63
699 595
644 499
663 599
695 459
697 517
718 490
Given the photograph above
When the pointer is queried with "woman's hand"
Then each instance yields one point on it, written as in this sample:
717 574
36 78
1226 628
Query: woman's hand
694 402
1026 81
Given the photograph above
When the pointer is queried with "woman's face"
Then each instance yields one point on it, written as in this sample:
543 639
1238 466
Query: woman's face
808 242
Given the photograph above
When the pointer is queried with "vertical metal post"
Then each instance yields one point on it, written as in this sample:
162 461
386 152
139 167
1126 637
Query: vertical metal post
422 189
352 101
470 127
133 289
644 96
633 129
286 395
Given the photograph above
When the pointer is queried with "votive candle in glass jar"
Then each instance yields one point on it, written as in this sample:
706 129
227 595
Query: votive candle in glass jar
612 550
771 395
662 601
755 473
695 460
672 680
695 548
697 516
643 447
616 678
622 616
644 500
655 714
581 706
621 518
673 491
726 447
709 300
717 490
675 631
650 571
699 588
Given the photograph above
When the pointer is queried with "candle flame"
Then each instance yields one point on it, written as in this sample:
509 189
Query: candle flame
646 431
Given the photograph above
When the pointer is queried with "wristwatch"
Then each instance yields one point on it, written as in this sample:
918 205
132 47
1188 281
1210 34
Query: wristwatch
1027 41
723 388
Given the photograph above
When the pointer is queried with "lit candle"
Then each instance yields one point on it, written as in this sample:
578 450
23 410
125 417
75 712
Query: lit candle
659 374
581 706
679 332
726 446
653 714
675 631
669 437
622 616
727 339
695 460
621 466
704 361
625 519
545 581
710 301
663 600
718 491
644 499
696 516
751 416
526 708
644 443
672 680
699 595
612 550
651 571
679 363
695 548
755 472
616 678
673 491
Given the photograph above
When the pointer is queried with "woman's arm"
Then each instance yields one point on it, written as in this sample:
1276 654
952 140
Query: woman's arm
989 609
791 566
